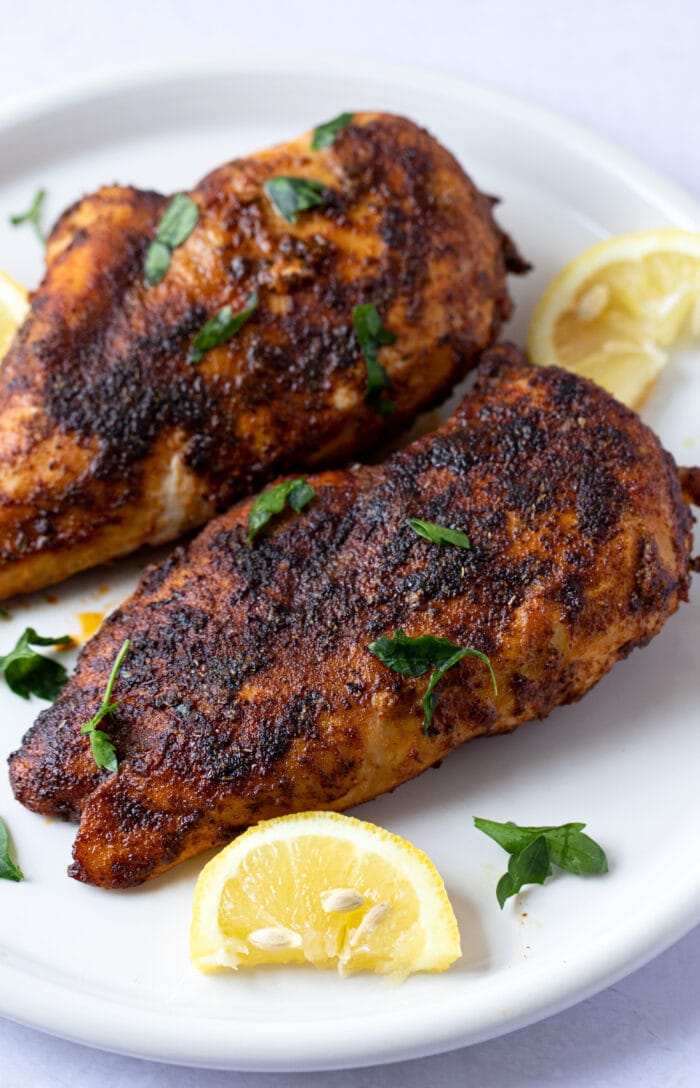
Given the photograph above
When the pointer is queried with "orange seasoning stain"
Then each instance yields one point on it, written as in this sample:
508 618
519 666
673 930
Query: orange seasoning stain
89 623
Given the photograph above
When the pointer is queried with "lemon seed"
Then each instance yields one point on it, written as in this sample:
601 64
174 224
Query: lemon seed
341 900
274 938
374 916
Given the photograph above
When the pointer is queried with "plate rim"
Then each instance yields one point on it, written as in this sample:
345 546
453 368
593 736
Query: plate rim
156 1037
20 108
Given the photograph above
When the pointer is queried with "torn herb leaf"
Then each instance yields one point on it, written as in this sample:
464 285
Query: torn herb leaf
295 492
103 750
221 327
412 656
157 263
567 848
9 869
325 134
29 673
179 220
416 656
439 534
429 699
371 335
292 195
177 223
531 866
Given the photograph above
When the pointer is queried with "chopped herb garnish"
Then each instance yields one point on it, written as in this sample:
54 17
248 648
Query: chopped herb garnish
179 220
292 195
325 134
29 673
4 614
439 534
177 223
412 656
220 328
531 866
9 870
32 216
157 263
103 750
429 699
533 851
372 335
295 492
416 656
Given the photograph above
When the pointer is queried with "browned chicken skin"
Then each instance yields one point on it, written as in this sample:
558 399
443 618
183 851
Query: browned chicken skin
249 690
110 439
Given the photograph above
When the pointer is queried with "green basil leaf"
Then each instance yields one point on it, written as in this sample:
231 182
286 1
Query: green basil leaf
325 134
439 534
569 849
177 223
575 852
412 656
38 640
531 866
4 614
567 846
273 501
504 889
512 838
157 263
301 494
29 673
292 195
179 220
221 327
371 335
429 699
35 675
32 216
103 750
9 870
415 656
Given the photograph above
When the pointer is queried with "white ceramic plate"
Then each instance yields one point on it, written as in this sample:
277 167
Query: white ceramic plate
112 969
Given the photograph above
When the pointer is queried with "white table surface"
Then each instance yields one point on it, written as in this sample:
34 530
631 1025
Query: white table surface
629 71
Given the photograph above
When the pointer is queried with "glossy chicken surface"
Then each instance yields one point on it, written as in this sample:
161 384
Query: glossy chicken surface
110 439
249 690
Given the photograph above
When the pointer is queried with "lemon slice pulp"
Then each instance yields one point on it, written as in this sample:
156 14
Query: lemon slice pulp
613 312
13 309
325 889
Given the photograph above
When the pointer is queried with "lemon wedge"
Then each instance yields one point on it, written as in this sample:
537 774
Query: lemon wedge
325 889
14 305
613 312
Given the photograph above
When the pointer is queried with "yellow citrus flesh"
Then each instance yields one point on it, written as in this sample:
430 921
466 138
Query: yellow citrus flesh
613 312
279 893
13 310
